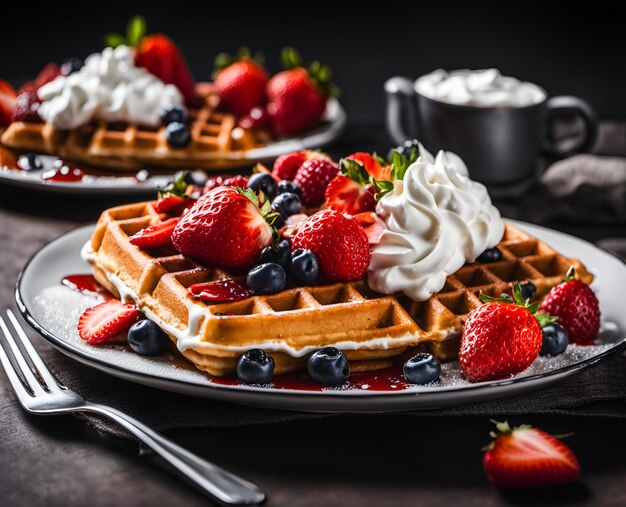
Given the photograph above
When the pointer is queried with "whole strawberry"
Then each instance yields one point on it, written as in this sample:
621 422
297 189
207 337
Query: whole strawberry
527 457
353 191
25 108
501 338
575 306
339 243
225 228
240 82
159 55
313 177
297 96
286 166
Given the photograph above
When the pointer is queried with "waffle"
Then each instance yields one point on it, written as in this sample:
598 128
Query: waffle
216 141
374 330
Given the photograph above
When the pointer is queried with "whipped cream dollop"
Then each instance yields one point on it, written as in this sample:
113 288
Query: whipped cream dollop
481 88
437 220
108 87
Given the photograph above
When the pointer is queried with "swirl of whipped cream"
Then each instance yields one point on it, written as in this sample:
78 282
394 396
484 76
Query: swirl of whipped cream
481 88
437 220
108 87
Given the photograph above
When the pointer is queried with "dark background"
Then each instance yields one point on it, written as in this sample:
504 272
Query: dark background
569 48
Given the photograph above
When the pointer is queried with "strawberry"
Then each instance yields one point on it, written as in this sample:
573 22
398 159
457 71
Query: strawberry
49 73
156 235
256 118
576 307
338 241
171 204
226 228
106 320
25 108
373 226
527 457
236 181
297 96
159 55
225 181
286 166
372 165
502 337
353 191
240 81
7 102
313 177
220 291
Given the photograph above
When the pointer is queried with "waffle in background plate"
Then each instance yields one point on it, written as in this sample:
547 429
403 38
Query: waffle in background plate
372 329
216 141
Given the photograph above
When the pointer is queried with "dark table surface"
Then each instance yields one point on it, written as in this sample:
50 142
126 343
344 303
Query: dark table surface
346 460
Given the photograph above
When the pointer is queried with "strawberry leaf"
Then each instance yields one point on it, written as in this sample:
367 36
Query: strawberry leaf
543 318
355 171
177 187
570 275
290 58
136 30
250 194
114 39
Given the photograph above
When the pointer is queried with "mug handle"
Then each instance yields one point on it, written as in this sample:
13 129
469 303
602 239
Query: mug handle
567 103
401 109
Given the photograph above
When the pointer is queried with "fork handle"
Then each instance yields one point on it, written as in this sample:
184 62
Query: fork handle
212 479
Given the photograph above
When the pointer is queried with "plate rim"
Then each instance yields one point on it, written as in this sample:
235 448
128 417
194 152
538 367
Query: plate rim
351 394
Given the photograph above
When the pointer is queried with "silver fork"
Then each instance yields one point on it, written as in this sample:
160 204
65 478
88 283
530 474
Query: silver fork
41 393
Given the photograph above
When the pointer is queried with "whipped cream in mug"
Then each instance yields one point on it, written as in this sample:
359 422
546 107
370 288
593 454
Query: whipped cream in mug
437 220
480 88
108 87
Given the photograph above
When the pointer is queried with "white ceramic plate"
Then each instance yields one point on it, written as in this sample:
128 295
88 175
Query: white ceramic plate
328 131
53 310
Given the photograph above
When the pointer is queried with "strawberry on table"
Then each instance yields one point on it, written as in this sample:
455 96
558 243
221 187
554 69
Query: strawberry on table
353 191
313 177
240 81
107 320
7 102
286 166
156 235
159 55
226 228
297 96
527 457
576 307
338 241
502 337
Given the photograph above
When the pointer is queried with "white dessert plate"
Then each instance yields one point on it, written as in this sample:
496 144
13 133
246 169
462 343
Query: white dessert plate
328 131
53 310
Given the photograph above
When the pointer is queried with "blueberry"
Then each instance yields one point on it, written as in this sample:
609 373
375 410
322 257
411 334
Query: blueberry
555 340
263 182
490 255
177 134
282 255
255 367
268 278
528 290
174 114
329 366
285 186
287 204
196 178
147 339
30 162
71 65
305 268
421 369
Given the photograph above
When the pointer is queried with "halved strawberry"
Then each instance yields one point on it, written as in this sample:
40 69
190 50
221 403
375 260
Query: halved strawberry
156 235
172 204
372 165
7 102
220 291
106 320
372 224
527 457
353 191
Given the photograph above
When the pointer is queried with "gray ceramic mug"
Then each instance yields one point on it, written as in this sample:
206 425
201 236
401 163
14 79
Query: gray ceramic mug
500 145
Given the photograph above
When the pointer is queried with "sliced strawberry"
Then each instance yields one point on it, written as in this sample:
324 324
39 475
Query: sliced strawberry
527 457
221 291
346 195
172 204
373 226
49 73
156 235
372 166
7 102
106 320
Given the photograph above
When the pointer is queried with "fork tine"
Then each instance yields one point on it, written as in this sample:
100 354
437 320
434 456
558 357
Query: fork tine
15 380
34 356
27 373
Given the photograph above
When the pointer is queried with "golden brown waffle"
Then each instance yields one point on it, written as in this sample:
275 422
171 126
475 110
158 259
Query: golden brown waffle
307 318
216 141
